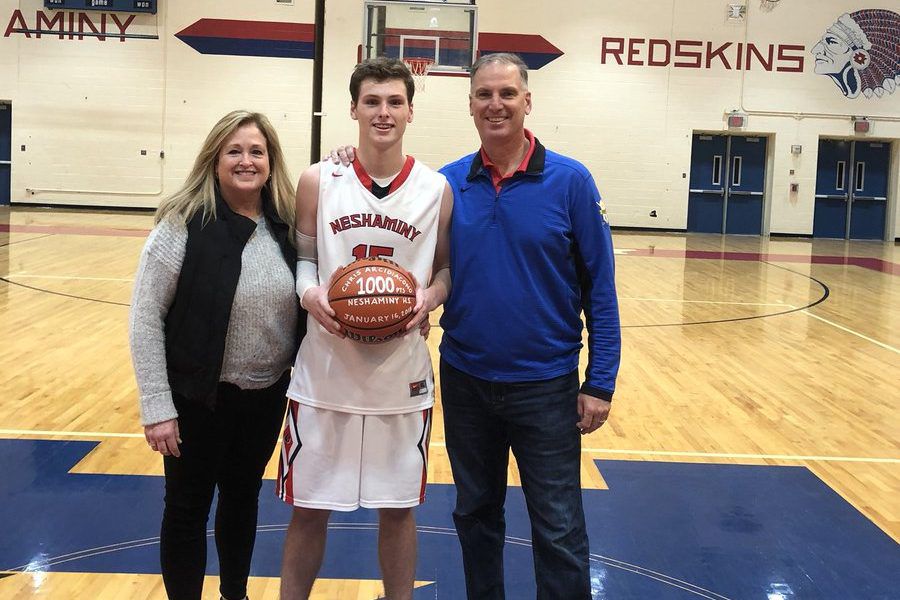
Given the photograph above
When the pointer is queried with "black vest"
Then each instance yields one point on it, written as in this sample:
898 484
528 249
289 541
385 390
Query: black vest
197 321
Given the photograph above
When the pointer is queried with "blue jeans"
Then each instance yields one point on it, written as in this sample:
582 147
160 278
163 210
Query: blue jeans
537 420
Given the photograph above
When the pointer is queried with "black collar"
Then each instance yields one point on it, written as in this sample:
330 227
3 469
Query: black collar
224 212
535 164
269 207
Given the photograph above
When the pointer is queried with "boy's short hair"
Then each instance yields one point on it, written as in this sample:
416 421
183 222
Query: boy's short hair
381 69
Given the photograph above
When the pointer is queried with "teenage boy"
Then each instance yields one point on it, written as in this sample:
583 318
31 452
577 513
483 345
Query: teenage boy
359 420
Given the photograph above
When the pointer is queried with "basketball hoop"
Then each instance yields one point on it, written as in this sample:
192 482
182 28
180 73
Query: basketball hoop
419 67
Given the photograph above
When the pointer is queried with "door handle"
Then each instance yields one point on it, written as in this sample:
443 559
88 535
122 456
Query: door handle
831 197
874 198
720 192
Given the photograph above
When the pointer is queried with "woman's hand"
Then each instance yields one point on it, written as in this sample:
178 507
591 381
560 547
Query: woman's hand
164 437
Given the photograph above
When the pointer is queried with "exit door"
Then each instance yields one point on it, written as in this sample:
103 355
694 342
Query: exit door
728 174
5 151
851 189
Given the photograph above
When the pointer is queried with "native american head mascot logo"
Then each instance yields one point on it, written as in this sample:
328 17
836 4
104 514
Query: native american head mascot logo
861 53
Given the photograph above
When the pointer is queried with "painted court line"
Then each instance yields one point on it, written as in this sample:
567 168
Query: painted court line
43 565
84 434
636 299
638 570
678 300
74 230
874 264
850 331
791 457
101 435
74 277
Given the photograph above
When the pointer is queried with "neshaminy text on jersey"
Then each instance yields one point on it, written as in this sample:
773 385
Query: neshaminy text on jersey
376 221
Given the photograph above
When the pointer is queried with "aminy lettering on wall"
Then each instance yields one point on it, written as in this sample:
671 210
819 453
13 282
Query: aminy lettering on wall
71 25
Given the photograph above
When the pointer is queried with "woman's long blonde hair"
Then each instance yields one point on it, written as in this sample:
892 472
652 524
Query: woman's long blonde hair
199 189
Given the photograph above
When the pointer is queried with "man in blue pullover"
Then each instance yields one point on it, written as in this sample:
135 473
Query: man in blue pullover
530 250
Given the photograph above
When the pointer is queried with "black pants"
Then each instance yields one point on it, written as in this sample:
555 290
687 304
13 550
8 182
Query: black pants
227 448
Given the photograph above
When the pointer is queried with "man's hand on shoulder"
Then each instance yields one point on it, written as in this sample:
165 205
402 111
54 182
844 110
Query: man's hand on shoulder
342 155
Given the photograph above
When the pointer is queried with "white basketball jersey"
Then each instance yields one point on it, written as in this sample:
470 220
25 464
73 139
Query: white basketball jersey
393 377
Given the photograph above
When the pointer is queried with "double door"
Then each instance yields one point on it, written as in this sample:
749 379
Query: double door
728 175
851 189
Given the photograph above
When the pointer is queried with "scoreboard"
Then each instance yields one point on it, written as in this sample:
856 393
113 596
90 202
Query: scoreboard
131 6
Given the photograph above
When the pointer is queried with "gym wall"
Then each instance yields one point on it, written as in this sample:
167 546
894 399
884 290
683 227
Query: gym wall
86 108
632 82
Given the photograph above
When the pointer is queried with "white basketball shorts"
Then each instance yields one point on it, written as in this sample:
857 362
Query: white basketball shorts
341 461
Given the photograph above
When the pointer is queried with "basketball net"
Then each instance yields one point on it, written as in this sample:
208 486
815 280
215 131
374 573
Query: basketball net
768 5
419 67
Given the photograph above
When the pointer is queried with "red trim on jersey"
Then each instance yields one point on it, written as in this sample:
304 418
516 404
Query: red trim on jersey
366 180
401 177
285 477
426 420
496 176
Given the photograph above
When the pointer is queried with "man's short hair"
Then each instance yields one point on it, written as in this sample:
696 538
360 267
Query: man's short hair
381 69
503 58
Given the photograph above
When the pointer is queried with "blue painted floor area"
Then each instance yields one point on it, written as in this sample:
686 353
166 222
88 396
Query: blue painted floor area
741 531
661 531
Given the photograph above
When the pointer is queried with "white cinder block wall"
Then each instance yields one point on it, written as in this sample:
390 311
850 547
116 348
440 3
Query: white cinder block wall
85 109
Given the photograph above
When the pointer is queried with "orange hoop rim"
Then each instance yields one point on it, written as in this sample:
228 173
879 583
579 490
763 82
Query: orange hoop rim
418 65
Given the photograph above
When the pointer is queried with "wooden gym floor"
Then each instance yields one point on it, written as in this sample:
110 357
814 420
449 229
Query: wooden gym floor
741 356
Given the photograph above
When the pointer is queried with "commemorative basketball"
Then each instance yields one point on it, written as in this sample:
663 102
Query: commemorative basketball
373 298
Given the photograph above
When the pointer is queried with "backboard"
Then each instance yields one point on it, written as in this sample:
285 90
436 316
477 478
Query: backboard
445 32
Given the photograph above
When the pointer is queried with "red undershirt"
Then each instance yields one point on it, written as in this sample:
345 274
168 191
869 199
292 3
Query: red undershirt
496 176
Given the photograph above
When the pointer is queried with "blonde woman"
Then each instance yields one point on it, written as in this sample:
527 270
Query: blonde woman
215 325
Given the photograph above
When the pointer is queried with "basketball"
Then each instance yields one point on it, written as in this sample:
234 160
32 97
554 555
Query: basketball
373 298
